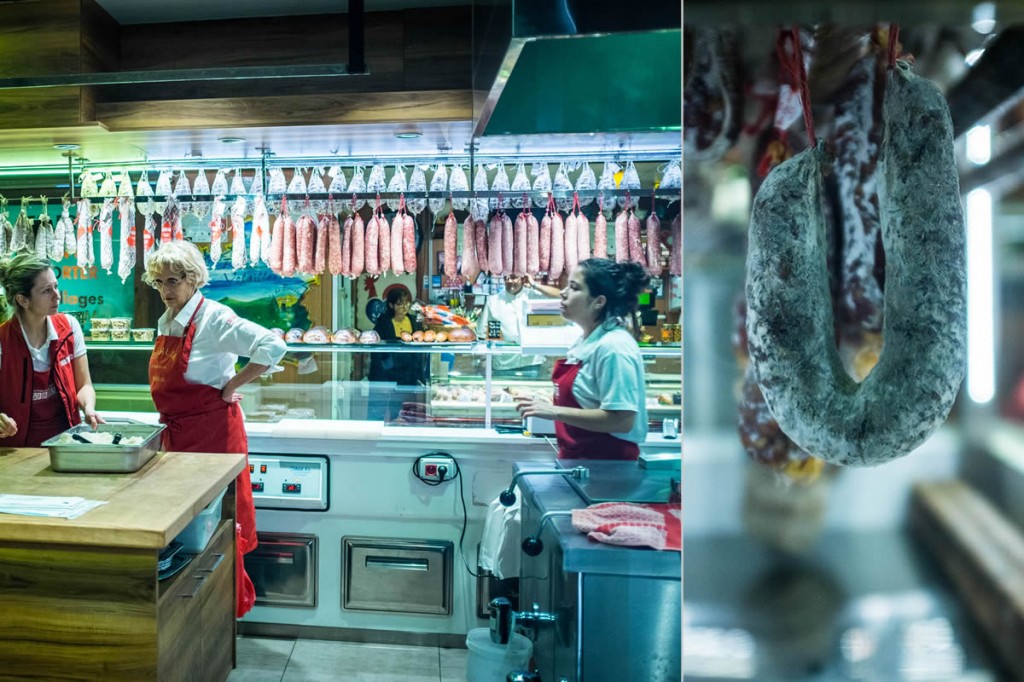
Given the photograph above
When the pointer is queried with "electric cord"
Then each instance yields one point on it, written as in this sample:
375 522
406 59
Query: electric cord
443 471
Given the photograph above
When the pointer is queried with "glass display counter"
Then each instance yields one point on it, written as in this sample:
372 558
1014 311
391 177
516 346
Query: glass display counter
328 382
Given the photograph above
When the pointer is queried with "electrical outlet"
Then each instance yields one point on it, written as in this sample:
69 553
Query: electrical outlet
436 468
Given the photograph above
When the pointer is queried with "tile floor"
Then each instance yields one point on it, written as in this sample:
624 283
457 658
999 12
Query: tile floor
307 660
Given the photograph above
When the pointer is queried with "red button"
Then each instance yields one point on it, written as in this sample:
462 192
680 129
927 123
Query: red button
431 469
263 468
252 468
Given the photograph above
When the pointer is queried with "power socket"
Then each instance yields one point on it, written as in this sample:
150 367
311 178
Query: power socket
436 468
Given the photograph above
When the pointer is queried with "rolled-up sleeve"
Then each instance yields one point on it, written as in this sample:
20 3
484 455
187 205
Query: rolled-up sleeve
248 339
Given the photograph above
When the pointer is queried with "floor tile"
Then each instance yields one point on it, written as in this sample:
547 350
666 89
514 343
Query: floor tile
260 659
319 661
453 665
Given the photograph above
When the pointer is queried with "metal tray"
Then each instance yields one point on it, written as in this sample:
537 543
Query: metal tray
96 458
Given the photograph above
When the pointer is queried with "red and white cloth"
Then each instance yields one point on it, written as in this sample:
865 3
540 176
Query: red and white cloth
633 525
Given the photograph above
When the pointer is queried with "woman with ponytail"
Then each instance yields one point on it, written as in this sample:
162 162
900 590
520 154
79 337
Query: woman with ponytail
598 404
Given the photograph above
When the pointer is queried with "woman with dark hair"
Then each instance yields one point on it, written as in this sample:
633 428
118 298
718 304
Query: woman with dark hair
44 373
404 369
598 405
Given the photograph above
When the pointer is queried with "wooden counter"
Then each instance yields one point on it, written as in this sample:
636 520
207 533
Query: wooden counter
81 598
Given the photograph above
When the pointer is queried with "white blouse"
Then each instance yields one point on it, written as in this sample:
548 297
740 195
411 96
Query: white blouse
220 337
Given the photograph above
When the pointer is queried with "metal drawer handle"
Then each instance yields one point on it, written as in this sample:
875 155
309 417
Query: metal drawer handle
272 558
398 564
217 558
200 581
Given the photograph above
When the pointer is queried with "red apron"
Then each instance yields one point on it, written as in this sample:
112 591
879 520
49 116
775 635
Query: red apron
47 414
199 421
577 443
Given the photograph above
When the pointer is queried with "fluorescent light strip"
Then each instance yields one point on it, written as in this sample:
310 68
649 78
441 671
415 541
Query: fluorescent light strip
980 299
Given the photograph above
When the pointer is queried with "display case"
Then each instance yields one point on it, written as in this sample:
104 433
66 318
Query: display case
328 382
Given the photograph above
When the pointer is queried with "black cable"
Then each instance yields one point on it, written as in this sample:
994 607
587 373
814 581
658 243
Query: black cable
442 470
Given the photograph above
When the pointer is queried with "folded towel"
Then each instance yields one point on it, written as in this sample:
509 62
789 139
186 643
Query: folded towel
499 544
634 525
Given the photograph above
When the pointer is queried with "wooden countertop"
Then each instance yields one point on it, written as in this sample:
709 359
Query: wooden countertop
145 509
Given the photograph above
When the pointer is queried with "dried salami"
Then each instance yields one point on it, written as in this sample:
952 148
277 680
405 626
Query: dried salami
409 243
790 321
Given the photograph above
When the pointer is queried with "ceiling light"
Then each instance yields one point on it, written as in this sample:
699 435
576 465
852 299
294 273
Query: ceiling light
983 18
230 140
66 146
408 133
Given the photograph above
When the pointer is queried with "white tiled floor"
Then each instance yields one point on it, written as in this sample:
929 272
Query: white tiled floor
307 660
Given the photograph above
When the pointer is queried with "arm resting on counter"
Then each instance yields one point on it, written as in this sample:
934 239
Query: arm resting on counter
86 393
591 419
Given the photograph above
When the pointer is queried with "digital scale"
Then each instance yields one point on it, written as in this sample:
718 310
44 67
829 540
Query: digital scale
544 331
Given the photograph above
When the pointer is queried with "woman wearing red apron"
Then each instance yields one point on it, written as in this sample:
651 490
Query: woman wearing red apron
598 405
193 380
44 373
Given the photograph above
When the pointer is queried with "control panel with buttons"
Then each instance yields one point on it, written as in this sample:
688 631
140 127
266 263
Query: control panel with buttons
289 482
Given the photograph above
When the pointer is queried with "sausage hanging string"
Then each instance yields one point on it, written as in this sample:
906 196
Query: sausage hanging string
893 50
792 64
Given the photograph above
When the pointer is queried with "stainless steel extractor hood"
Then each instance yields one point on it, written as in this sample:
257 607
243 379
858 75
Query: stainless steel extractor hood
576 66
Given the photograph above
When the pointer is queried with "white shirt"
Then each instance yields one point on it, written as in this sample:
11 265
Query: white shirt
41 355
612 376
221 336
509 309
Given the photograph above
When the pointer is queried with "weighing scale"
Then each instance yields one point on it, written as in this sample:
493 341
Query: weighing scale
544 331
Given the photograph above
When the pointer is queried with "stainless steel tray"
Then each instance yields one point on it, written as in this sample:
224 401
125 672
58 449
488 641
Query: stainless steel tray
74 456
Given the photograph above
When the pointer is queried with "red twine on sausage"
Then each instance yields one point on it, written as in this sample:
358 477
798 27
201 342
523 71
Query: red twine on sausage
798 74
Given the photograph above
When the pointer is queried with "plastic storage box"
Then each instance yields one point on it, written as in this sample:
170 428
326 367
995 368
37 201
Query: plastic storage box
200 530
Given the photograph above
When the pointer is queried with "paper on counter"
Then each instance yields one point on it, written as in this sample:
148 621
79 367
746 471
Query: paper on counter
49 506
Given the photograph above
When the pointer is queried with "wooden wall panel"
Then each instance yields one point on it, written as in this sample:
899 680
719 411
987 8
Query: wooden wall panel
100 39
39 37
437 48
378 107
42 108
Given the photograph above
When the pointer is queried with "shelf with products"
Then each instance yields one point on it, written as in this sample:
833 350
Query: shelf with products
319 382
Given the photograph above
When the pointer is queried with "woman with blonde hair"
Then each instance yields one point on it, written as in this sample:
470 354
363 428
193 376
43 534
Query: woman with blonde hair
193 379
44 373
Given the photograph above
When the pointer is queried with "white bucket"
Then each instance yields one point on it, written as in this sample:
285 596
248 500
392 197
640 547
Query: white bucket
490 662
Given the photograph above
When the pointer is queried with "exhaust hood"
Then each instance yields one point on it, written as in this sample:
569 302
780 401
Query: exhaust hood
576 66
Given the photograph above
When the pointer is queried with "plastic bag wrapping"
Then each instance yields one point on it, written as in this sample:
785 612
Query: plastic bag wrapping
163 189
500 184
124 185
316 186
276 186
87 181
358 185
143 190
83 233
170 222
238 210
216 229
339 182
376 182
398 183
458 182
5 227
44 239
126 234
259 238
63 233
417 183
109 186
564 185
630 181
541 184
148 236
520 186
586 181
183 191
672 175
201 188
237 183
478 207
256 186
298 182
607 181
21 235
438 187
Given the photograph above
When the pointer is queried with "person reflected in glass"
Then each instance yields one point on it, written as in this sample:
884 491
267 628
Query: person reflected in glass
193 379
599 405
44 371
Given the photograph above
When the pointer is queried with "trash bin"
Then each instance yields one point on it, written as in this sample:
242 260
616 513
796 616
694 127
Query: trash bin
490 662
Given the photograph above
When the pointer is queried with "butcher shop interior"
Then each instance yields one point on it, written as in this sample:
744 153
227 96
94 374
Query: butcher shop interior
389 201
815 137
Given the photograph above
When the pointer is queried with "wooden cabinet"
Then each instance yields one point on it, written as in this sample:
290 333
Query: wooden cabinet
195 614
81 598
